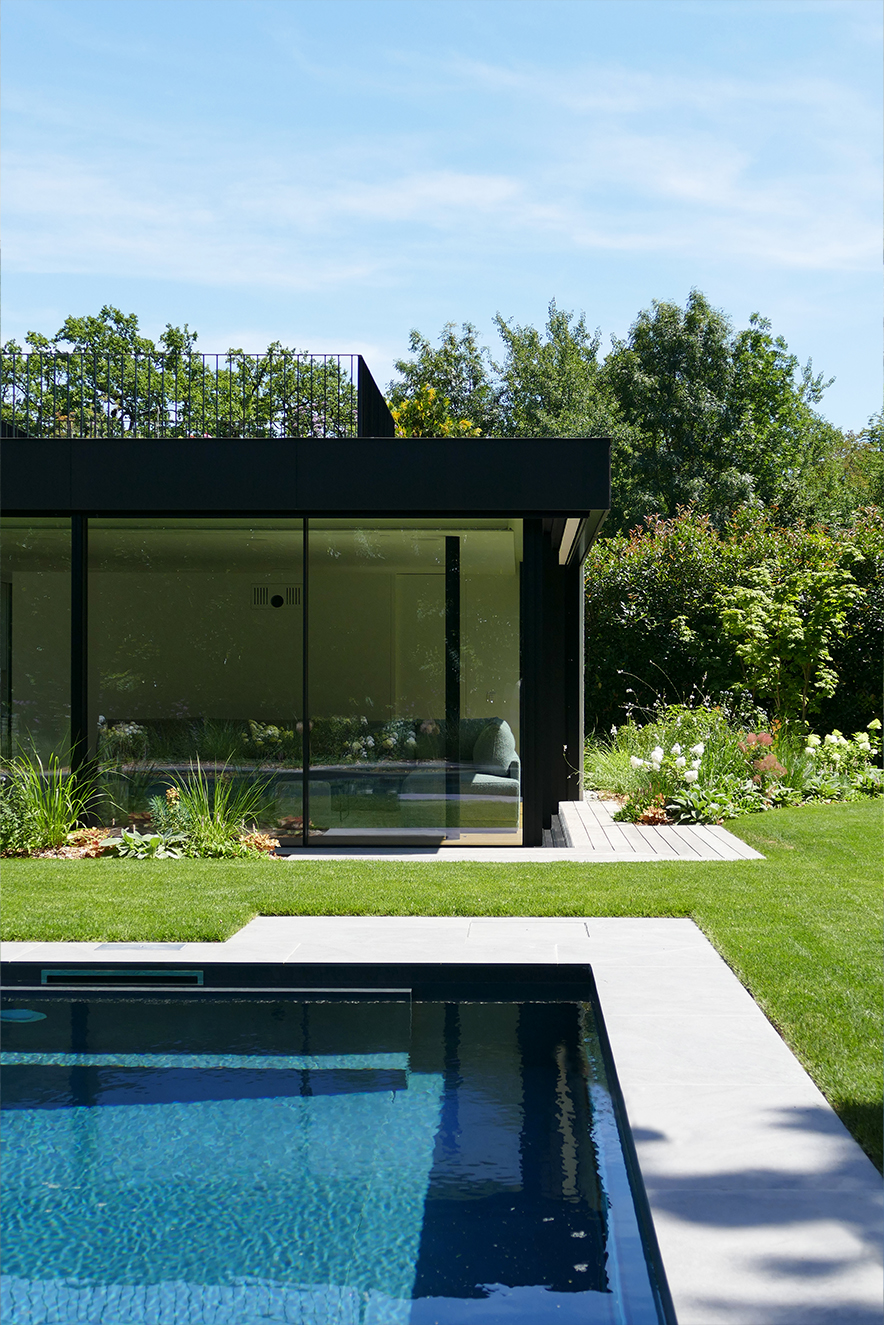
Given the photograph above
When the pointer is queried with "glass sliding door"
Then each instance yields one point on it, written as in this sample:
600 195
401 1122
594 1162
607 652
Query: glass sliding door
35 637
413 666
195 648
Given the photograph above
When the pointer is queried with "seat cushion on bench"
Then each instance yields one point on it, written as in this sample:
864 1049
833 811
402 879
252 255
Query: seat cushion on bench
495 748
434 784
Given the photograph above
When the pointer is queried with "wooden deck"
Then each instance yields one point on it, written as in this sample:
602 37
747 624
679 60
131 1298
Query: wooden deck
589 827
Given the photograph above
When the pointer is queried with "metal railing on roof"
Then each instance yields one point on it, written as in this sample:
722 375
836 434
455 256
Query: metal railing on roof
282 393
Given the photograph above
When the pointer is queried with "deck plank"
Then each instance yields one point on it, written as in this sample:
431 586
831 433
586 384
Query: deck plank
576 832
711 848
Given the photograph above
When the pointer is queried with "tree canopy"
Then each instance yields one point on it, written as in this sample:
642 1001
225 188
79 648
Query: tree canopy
99 377
699 414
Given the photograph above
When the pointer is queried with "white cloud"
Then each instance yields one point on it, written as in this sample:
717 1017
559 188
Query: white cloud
782 173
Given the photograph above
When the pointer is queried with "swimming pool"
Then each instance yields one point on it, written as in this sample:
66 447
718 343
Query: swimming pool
333 1145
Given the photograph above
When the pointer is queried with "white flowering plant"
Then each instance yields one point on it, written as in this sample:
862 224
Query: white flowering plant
696 765
838 764
121 740
665 773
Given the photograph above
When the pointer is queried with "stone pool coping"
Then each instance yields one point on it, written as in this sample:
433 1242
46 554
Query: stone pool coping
766 1209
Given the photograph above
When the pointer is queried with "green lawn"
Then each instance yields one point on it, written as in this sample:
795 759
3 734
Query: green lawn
802 929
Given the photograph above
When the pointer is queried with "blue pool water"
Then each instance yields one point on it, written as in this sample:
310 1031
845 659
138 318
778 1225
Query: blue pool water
360 1160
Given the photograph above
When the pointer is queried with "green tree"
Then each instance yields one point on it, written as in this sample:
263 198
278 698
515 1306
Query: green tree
850 474
461 372
783 623
551 381
99 377
714 419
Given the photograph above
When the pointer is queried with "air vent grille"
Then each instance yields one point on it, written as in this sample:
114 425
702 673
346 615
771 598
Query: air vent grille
275 596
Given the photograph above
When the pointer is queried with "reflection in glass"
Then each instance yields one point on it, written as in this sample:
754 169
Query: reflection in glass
35 637
414 680
196 639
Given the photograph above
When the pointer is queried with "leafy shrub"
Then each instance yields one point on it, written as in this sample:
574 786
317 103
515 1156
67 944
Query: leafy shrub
213 815
168 814
121 741
145 846
281 744
656 598
836 763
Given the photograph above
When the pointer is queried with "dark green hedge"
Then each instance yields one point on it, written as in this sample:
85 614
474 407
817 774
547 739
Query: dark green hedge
652 627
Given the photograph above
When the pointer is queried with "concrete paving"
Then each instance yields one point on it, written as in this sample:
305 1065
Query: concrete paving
767 1211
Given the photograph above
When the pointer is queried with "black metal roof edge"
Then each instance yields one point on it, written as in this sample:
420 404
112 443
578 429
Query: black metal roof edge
592 519
344 477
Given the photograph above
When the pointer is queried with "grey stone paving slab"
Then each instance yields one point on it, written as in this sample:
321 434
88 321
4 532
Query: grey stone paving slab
767 1211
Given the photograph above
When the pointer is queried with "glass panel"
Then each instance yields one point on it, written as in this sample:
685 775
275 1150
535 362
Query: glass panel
35 637
414 681
196 637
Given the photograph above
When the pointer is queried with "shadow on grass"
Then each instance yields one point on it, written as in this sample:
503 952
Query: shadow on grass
864 1119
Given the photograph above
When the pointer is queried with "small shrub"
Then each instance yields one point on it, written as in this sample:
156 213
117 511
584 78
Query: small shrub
144 846
39 806
121 741
215 815
260 843
842 769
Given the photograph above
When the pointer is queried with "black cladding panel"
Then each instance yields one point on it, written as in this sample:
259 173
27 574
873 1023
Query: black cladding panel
330 476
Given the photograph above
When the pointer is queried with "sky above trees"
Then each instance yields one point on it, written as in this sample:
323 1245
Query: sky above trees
331 175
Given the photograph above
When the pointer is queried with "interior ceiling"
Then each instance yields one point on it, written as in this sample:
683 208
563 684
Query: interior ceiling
489 547
274 551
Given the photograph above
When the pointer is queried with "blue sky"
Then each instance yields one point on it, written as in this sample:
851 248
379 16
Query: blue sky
333 174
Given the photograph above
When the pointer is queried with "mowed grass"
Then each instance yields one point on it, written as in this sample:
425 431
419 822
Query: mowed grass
802 929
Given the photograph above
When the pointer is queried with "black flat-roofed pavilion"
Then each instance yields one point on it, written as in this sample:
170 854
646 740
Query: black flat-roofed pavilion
544 497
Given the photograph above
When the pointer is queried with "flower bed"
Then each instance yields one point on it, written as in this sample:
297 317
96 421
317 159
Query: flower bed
696 765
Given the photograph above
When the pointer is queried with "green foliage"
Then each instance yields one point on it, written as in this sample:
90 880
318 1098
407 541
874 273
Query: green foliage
144 846
838 762
782 624
460 373
683 754
548 385
653 611
216 813
99 377
551 382
38 806
715 419
428 414
695 764
169 815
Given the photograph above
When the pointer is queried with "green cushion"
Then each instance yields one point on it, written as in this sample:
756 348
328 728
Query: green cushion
495 748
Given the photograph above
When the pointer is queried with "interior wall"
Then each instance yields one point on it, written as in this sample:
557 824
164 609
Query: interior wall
41 660
490 648
351 653
191 645
173 633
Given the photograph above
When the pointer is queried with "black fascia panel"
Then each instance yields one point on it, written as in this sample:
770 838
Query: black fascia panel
292 476
35 476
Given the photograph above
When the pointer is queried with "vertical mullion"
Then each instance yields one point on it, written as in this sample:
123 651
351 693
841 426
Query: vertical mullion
452 680
79 641
531 634
305 689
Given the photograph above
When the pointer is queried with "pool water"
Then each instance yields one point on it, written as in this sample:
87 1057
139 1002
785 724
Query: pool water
188 1158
